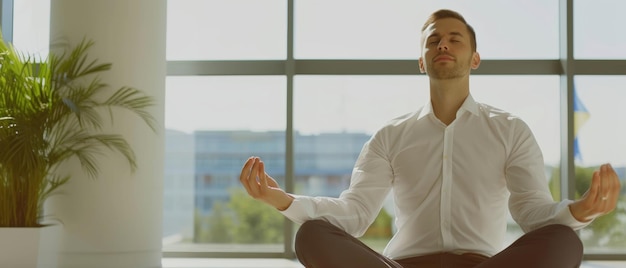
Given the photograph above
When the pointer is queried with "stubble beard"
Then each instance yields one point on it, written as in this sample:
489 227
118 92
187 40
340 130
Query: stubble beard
449 72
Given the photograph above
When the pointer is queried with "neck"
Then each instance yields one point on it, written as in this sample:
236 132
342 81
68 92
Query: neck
447 96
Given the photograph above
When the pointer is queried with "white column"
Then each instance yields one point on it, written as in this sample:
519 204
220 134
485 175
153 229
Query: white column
115 221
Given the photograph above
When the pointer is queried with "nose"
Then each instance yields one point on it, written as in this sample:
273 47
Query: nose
443 45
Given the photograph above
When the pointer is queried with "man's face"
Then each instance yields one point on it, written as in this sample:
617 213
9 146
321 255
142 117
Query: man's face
447 50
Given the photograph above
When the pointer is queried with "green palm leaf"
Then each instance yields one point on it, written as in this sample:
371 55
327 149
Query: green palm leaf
51 112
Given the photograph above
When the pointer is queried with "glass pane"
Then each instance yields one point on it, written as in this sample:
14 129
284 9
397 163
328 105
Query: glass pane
31 27
330 104
335 115
595 24
535 99
601 140
226 30
213 124
353 29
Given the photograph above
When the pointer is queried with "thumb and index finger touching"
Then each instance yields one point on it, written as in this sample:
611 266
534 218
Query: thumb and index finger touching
254 178
605 189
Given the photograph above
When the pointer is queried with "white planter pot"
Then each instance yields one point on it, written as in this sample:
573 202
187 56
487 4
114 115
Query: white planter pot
35 247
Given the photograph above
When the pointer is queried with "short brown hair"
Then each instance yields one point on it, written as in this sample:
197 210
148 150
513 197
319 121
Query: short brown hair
446 13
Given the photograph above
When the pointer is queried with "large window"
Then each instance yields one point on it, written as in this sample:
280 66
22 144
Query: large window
304 83
350 66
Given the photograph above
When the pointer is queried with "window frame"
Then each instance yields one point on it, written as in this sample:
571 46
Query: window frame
566 67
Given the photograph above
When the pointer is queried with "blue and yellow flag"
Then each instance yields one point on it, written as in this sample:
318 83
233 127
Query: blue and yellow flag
581 115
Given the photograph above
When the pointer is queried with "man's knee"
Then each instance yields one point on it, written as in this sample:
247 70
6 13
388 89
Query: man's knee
564 232
309 232
564 235
311 240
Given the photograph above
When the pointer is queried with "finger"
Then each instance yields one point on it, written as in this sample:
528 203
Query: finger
614 186
594 189
271 181
252 179
262 177
245 170
245 174
605 183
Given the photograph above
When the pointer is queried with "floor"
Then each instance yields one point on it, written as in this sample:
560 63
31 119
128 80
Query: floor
284 263
229 263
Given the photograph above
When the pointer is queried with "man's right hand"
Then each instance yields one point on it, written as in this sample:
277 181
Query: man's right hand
262 186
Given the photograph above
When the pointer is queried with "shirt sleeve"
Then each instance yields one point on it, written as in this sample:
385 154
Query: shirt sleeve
357 207
531 203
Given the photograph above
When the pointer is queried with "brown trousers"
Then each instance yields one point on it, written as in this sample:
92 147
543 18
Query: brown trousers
322 245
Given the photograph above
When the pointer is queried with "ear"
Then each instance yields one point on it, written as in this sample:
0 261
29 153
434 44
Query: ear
421 63
475 60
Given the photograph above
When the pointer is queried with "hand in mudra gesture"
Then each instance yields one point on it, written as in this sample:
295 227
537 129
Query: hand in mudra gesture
602 196
262 186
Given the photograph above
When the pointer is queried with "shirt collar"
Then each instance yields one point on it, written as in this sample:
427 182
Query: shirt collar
468 105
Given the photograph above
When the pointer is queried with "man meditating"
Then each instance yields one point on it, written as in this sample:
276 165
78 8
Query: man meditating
453 167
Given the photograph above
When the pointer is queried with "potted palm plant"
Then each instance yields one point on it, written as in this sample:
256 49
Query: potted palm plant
52 111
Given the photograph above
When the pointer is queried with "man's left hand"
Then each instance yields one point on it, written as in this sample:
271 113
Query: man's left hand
601 198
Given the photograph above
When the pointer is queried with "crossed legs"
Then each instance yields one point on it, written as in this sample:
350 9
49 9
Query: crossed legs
322 245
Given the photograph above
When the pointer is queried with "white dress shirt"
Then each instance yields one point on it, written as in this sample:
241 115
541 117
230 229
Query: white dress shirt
450 183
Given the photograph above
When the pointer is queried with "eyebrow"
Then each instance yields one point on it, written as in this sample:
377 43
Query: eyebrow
438 35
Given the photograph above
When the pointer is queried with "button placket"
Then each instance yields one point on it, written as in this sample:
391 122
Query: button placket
445 188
